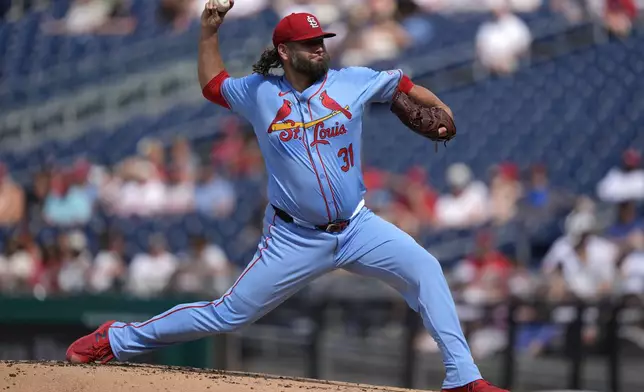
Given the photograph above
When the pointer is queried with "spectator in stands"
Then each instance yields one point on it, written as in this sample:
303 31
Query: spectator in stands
64 205
416 196
22 262
227 150
150 273
586 260
399 214
416 24
502 43
36 195
505 191
179 13
109 184
152 151
627 222
50 268
619 16
204 269
180 193
630 279
374 34
467 203
109 268
251 164
214 195
379 196
184 160
625 183
12 199
541 196
94 17
76 262
483 276
541 200
79 180
574 10
143 192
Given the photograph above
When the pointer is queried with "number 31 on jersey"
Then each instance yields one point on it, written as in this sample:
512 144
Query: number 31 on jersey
346 154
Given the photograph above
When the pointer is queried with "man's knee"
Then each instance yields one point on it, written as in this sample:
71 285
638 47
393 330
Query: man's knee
427 267
229 317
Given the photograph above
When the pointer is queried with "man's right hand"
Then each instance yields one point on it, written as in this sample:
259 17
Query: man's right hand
211 19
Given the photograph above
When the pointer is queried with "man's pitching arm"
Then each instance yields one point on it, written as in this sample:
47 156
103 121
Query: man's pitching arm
211 69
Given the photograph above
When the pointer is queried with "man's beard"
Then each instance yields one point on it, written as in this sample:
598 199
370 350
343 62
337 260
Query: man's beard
313 69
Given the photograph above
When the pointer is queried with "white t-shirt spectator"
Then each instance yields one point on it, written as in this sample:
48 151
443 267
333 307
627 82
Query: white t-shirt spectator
584 278
632 273
618 186
85 16
22 266
73 275
150 274
501 42
464 210
144 199
179 198
107 268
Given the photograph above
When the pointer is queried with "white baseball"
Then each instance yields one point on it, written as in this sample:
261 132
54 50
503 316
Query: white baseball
221 5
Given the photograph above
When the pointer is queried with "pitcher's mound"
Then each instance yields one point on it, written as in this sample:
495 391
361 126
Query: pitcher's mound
22 376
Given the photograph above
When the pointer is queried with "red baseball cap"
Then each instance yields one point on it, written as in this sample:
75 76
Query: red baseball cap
298 27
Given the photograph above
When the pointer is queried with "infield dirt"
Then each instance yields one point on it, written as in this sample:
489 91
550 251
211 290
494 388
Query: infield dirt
28 376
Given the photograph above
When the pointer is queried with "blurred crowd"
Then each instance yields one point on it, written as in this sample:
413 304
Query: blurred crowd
157 181
596 259
368 30
146 184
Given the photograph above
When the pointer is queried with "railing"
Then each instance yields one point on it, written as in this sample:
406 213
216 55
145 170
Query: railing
573 316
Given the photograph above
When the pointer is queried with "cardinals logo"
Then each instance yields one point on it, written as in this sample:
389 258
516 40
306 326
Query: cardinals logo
290 129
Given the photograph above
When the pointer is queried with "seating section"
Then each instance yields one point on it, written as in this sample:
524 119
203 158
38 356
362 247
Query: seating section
30 58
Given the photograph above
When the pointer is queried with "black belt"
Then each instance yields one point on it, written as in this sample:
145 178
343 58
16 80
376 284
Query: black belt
336 226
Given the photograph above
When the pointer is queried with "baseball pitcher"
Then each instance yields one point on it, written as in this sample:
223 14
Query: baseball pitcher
308 124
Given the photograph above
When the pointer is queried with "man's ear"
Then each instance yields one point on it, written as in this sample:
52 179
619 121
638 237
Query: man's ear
283 52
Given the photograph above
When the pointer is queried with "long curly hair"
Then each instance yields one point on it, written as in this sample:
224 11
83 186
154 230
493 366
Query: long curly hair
270 59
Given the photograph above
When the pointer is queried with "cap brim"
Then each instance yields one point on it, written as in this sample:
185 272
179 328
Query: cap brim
314 36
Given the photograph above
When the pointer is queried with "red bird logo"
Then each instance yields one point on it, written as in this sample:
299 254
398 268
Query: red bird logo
330 103
282 113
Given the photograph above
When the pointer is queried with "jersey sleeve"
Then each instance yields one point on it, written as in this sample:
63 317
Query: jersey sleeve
379 86
241 93
236 94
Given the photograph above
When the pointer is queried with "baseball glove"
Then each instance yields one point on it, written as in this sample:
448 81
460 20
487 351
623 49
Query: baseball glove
422 120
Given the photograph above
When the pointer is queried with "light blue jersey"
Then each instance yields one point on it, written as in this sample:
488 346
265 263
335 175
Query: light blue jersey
311 141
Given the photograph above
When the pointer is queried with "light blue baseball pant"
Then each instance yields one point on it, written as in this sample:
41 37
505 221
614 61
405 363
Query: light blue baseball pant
289 257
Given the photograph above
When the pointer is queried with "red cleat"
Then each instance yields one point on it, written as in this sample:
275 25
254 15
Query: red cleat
93 347
476 386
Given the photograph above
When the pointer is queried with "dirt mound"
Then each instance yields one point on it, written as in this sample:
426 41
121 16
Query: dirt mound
23 376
